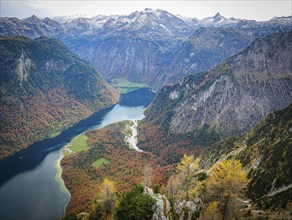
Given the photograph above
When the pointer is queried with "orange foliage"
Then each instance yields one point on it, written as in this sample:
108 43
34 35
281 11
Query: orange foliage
125 168
26 121
168 148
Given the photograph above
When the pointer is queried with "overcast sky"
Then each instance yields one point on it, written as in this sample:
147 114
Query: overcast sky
249 9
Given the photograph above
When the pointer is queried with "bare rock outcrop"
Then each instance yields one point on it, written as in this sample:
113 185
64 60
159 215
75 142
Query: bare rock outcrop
186 209
161 207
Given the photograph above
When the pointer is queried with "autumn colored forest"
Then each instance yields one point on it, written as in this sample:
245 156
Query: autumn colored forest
125 168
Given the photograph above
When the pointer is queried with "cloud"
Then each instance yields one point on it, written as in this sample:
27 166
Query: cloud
22 9
257 9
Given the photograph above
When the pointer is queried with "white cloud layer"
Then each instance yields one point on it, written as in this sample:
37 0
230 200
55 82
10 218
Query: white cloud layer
257 10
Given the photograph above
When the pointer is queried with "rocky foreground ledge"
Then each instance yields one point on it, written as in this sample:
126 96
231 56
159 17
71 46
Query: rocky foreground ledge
162 209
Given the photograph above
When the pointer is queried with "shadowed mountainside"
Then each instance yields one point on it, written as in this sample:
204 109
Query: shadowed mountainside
45 88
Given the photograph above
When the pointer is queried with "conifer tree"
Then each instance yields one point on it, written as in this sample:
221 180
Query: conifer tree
188 168
226 184
135 205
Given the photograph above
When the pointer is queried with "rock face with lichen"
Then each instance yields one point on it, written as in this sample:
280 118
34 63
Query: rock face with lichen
161 208
185 209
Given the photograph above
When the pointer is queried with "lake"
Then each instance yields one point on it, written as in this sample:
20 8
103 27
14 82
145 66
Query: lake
31 186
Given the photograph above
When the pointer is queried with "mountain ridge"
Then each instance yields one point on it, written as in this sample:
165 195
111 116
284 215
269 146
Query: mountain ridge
225 101
258 57
44 89
110 42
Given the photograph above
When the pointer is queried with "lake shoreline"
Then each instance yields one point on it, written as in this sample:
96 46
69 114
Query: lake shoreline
58 176
45 158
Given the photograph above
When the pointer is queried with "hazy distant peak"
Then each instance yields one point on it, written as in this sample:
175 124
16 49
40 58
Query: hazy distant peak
65 18
218 16
32 18
149 10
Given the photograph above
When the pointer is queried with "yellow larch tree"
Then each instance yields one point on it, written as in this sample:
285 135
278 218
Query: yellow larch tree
226 184
106 202
106 189
188 168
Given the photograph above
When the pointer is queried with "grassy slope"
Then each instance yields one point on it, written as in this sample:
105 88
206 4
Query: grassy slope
99 162
125 86
79 143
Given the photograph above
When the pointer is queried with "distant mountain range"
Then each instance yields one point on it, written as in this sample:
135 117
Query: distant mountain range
149 46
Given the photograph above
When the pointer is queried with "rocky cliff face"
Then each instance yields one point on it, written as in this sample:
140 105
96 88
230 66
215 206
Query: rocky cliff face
134 46
44 89
233 96
203 50
133 58
161 208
